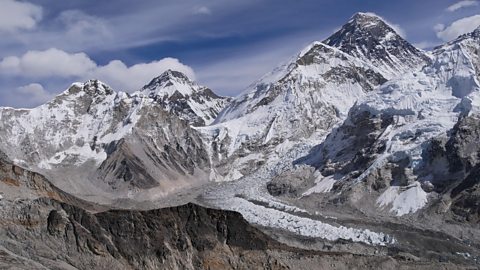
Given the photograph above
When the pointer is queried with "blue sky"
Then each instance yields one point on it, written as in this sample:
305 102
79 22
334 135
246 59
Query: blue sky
224 44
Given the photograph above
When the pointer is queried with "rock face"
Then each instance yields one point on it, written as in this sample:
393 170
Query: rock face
369 38
452 167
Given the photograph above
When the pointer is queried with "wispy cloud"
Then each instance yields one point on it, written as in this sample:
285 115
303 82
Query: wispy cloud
34 92
458 27
16 15
202 11
462 4
425 45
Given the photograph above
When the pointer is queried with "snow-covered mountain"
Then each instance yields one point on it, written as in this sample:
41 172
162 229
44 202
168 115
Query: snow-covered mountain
180 96
93 141
412 140
312 93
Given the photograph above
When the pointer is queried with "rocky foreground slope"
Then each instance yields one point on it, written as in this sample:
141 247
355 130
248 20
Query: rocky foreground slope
42 227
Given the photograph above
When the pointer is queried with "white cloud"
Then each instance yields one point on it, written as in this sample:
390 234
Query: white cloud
52 62
55 63
202 11
439 27
425 44
15 15
122 77
462 4
83 28
34 93
459 27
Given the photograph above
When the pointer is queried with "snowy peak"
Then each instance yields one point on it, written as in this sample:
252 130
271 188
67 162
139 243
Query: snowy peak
180 96
360 28
169 76
168 83
91 88
371 39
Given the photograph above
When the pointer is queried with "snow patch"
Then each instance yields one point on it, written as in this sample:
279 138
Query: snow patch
403 200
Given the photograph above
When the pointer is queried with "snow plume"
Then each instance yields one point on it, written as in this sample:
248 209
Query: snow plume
457 28
462 4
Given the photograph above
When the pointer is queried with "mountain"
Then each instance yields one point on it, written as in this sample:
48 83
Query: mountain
180 96
368 37
311 94
411 142
93 141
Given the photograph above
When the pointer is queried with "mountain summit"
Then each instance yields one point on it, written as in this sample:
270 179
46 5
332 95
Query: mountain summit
370 38
179 95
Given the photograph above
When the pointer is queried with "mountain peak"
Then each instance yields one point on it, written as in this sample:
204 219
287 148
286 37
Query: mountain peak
91 87
370 38
168 83
362 26
362 17
185 98
168 76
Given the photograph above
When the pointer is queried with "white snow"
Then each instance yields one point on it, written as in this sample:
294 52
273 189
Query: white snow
322 185
403 200
425 105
